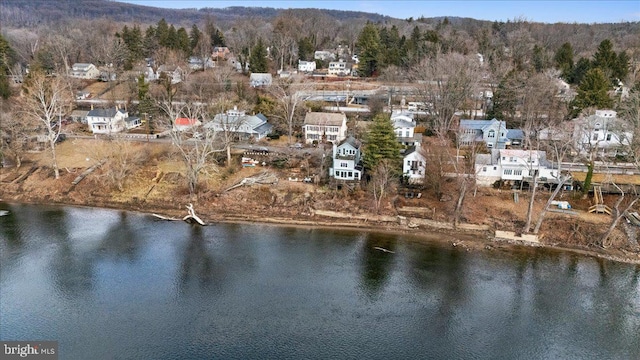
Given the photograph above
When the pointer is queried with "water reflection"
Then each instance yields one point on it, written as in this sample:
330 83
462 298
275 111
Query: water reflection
72 269
198 267
121 240
10 233
377 260
146 290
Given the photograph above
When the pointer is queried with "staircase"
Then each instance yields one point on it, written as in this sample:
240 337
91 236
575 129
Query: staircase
599 206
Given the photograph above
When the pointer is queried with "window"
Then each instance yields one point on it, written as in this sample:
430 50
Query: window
484 169
350 174
492 134
608 137
517 172
508 172
595 136
343 165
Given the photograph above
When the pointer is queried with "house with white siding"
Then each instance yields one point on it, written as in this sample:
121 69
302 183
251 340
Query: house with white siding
414 165
110 121
306 66
513 165
404 126
347 160
84 71
322 126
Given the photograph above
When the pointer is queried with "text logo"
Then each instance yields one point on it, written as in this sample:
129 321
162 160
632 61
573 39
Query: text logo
45 350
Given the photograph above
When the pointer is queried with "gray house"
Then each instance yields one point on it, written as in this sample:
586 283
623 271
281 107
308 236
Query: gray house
241 125
493 133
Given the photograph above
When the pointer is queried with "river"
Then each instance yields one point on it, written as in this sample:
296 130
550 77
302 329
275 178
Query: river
108 284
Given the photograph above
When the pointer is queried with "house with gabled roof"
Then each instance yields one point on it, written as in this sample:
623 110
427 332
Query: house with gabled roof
324 126
491 132
414 165
404 126
84 71
260 80
306 66
514 165
110 121
241 125
347 160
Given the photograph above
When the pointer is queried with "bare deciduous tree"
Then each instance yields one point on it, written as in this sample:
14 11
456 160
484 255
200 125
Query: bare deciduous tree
47 99
445 83
121 159
14 136
195 146
383 182
288 93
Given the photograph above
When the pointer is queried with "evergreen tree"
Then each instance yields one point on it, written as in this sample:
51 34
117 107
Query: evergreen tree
563 59
605 57
134 42
621 68
381 143
369 50
539 60
414 46
162 33
593 91
145 102
194 36
305 49
172 39
6 56
183 41
582 66
258 62
150 42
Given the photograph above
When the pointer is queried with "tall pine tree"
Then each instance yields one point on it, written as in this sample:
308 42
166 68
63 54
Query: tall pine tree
369 50
381 143
258 62
593 92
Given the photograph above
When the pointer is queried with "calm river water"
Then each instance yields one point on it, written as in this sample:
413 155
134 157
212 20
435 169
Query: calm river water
118 285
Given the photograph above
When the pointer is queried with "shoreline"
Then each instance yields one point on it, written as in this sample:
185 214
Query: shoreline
470 240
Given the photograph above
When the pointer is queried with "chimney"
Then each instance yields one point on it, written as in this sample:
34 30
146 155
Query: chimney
91 106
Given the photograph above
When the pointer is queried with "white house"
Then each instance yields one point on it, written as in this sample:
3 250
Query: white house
347 164
339 68
324 55
198 63
241 125
84 71
602 132
260 79
321 126
175 73
513 165
306 66
109 121
413 166
404 126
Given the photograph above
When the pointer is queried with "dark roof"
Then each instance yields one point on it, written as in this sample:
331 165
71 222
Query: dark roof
515 134
104 112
